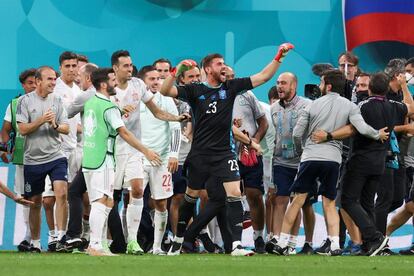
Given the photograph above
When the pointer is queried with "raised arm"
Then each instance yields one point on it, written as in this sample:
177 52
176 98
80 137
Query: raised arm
168 88
268 72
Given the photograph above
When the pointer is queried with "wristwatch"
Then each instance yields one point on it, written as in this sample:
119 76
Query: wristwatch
56 127
328 136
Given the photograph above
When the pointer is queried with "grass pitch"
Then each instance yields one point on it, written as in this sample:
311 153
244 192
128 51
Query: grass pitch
12 263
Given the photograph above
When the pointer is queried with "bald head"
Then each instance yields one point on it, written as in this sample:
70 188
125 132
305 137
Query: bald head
286 84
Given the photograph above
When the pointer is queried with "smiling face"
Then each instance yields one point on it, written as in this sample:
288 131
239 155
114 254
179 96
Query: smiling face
152 80
47 81
123 69
190 76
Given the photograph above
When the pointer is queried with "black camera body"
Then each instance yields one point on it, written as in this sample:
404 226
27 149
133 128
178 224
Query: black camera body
312 91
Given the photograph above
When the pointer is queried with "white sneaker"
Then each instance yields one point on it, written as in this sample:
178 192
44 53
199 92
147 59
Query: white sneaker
159 252
240 251
291 251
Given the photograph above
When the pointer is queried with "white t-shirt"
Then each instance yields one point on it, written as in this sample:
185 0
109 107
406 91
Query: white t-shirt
113 117
135 92
157 134
8 116
68 95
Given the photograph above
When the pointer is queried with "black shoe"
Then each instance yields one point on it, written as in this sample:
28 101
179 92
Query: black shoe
373 248
51 246
270 245
207 243
71 244
306 250
280 251
24 246
35 249
409 251
84 245
259 246
386 251
166 243
60 245
175 249
326 250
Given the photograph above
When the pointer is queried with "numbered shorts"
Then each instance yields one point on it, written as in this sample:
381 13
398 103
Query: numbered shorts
19 180
35 175
128 167
99 183
200 168
159 180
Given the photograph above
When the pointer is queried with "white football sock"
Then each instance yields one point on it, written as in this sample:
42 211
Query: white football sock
97 220
133 215
160 223
26 211
335 243
283 240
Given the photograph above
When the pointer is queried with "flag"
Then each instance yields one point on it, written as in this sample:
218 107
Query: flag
378 20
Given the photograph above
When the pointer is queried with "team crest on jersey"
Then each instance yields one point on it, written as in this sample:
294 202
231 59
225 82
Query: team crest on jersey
202 97
214 97
89 123
222 94
135 96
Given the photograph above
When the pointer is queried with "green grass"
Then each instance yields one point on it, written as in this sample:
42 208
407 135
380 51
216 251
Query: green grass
12 264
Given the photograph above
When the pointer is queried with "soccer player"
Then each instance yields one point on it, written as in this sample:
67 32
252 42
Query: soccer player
129 170
212 151
322 160
41 118
10 131
102 122
164 138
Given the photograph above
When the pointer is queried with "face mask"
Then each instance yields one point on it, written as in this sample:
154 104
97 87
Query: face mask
409 78
362 95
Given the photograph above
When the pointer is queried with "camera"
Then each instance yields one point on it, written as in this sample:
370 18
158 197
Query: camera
312 91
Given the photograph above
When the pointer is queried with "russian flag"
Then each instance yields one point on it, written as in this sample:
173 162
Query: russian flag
378 20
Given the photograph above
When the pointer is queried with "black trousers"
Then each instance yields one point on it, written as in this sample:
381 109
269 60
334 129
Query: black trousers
358 193
215 207
75 198
390 195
